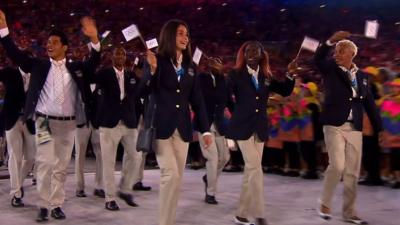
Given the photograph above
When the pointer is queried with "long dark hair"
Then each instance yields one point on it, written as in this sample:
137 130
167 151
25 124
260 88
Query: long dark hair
264 64
167 47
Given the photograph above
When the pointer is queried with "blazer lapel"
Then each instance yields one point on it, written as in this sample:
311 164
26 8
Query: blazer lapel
127 81
115 79
344 77
249 78
172 71
362 83
44 74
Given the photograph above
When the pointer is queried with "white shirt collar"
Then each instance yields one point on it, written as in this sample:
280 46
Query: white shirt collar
59 62
118 71
179 61
353 69
253 72
22 72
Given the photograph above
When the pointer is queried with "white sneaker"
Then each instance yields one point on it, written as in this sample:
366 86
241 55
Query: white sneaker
355 220
238 222
325 216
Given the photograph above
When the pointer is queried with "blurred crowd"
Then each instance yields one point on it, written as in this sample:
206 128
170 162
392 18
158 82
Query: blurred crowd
218 28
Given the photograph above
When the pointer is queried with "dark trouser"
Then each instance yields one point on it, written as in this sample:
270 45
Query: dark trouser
273 157
195 152
292 148
371 157
395 159
309 152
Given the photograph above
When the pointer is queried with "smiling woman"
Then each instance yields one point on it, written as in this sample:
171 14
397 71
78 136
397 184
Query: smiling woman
172 80
250 82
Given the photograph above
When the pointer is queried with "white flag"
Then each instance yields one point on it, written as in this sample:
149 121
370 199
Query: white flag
152 43
92 87
310 44
131 32
371 29
231 143
105 34
197 56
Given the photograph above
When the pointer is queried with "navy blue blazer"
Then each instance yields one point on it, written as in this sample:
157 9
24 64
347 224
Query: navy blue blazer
250 111
215 99
14 99
39 69
174 99
110 108
339 98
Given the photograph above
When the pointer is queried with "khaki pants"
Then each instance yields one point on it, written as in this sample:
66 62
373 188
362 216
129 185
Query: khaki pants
22 150
52 159
217 156
171 157
344 146
82 137
109 140
139 174
252 194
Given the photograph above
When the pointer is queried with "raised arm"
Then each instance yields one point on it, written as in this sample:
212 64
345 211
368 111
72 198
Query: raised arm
321 55
89 29
14 53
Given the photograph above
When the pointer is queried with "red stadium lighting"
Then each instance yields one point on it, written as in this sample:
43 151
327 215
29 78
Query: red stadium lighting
107 11
283 10
25 1
199 8
224 4
141 8
72 14
322 6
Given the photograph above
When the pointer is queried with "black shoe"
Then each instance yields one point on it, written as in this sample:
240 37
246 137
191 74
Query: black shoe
22 192
140 187
128 198
57 213
112 206
1 163
311 175
43 215
80 194
232 169
278 171
99 193
268 170
370 182
396 185
293 174
209 199
261 221
17 202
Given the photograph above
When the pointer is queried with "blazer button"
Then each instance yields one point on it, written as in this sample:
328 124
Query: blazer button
177 106
257 98
361 97
256 110
350 99
178 91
